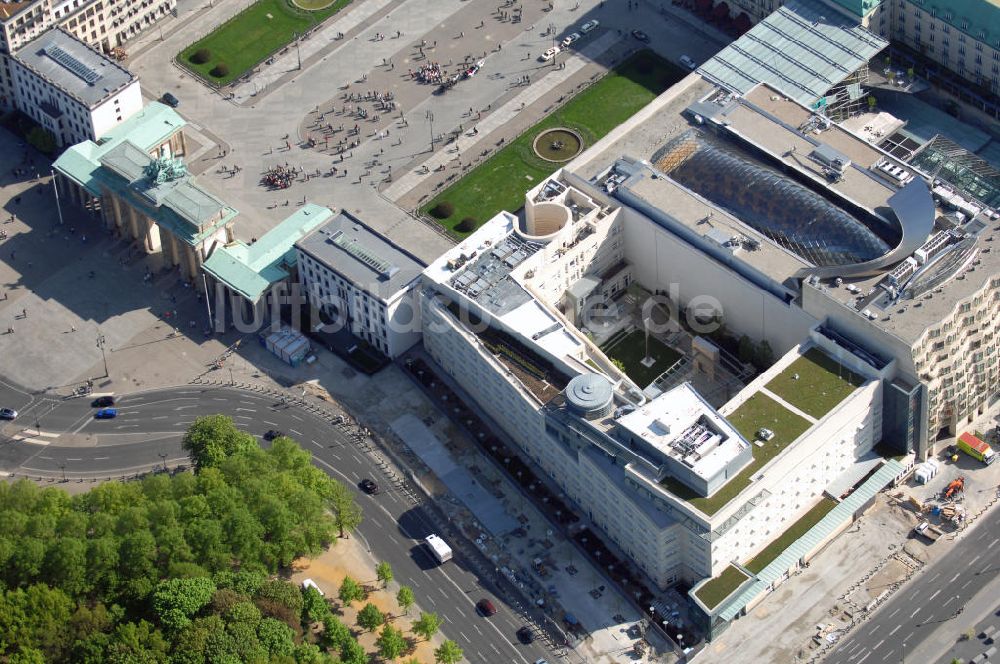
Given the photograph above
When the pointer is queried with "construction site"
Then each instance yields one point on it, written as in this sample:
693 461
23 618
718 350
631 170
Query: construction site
906 529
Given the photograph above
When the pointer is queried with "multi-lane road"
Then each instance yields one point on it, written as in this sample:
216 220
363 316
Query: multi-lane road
148 431
935 597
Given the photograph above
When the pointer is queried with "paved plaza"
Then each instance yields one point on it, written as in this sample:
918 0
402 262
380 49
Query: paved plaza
386 167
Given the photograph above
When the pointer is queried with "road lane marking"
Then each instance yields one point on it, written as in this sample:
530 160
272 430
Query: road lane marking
193 405
101 458
914 613
949 600
993 543
894 630
246 410
73 459
978 556
936 593
894 613
967 583
459 609
874 629
478 630
464 636
273 424
935 576
295 417
957 574
864 658
431 600
316 444
878 645
159 417
297 433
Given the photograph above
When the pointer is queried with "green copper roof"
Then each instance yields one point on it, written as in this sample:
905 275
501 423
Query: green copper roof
858 8
120 163
249 269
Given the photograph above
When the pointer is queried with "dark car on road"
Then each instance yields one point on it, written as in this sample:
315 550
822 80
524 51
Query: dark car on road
170 100
8 414
272 434
106 414
526 635
369 486
103 402
641 36
486 608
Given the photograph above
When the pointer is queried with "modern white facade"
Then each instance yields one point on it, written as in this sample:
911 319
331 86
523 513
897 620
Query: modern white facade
653 473
360 280
73 91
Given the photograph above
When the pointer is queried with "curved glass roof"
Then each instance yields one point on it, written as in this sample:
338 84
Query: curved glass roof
778 207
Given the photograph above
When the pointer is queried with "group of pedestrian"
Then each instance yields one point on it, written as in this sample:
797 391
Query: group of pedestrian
279 177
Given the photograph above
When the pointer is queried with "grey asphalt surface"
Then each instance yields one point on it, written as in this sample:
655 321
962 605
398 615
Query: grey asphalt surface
931 601
148 431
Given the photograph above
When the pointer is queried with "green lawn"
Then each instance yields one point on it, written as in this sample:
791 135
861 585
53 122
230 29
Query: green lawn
721 587
756 412
822 383
250 36
794 532
632 349
501 182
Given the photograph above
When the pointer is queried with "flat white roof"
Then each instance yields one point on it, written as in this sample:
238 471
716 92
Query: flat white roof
681 424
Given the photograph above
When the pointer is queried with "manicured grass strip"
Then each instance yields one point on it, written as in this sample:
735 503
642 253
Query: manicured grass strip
794 532
501 182
721 587
632 349
759 411
246 39
822 383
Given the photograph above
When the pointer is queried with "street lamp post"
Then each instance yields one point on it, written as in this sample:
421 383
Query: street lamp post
55 188
100 344
298 53
163 460
430 118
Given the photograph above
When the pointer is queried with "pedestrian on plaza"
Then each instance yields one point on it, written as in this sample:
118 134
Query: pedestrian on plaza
24 313
10 330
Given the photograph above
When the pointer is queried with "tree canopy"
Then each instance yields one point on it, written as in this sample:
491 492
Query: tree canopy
169 568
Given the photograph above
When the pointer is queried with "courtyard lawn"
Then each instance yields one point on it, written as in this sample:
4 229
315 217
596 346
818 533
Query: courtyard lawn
501 182
794 532
631 350
822 383
756 412
721 587
246 39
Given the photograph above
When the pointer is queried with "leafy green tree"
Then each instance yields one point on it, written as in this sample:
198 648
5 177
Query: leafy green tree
27 656
314 606
42 140
213 438
346 513
448 653
282 592
427 625
309 653
405 599
351 591
244 612
352 653
369 617
335 633
177 600
137 642
391 643
384 573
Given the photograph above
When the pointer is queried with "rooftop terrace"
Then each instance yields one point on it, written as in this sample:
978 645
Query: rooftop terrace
757 412
815 383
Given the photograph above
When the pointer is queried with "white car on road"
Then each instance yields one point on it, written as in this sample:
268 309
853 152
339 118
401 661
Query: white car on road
551 53
570 39
589 26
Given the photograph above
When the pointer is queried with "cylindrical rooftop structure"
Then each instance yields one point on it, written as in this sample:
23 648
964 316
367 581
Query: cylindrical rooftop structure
590 396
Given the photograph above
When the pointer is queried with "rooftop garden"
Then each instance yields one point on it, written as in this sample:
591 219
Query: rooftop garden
501 182
787 538
815 383
244 41
627 352
721 587
757 412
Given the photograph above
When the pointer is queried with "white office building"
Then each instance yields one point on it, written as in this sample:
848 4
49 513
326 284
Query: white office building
361 281
71 90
